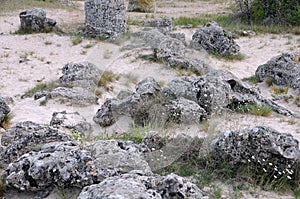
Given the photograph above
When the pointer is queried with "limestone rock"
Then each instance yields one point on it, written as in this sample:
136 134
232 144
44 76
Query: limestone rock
283 70
105 18
196 65
108 154
82 74
27 136
170 48
140 6
261 145
34 20
136 186
72 121
75 95
214 39
64 164
4 109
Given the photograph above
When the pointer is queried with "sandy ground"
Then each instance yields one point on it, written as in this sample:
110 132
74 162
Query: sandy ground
48 53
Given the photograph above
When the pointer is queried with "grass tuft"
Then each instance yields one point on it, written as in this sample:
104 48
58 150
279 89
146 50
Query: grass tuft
259 110
106 78
252 79
39 88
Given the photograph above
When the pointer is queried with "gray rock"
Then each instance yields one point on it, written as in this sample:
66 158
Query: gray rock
153 140
140 6
164 25
136 105
214 39
4 109
178 35
105 18
140 186
64 164
72 121
84 74
109 154
34 20
170 48
152 37
264 147
75 95
27 136
283 70
184 111
196 65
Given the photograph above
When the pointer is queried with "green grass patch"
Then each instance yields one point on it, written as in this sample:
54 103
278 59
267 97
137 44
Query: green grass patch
40 87
252 79
259 110
238 57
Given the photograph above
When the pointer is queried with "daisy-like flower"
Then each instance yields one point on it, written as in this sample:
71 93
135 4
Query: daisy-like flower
289 177
265 170
270 163
275 177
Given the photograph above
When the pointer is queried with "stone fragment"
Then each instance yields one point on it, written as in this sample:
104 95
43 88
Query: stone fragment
214 39
34 20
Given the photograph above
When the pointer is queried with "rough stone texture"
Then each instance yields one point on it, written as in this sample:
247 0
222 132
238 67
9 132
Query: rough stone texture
72 121
214 39
164 25
153 140
84 74
178 35
136 104
137 186
283 70
170 48
152 37
109 154
64 164
261 145
196 65
34 20
105 18
76 95
27 136
140 6
186 97
4 109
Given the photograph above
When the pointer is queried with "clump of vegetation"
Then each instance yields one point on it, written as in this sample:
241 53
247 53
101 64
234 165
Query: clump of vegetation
76 40
40 87
280 90
106 78
283 12
259 110
229 57
6 123
252 79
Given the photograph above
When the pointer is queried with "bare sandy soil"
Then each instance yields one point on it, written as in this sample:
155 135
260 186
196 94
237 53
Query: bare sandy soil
48 53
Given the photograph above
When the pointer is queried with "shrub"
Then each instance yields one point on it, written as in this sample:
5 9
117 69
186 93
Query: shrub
282 12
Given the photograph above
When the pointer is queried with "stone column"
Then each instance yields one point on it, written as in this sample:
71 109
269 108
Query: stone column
105 18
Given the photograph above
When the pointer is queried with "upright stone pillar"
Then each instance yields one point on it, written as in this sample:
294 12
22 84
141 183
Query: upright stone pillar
105 18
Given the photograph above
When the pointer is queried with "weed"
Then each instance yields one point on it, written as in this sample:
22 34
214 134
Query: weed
297 192
280 90
106 78
88 46
217 192
83 52
259 110
252 79
229 57
297 100
39 88
98 93
76 40
48 43
6 123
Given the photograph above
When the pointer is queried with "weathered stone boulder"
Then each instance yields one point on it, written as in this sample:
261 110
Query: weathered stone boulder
34 20
164 25
84 74
152 37
109 155
140 6
4 109
214 39
170 48
282 70
72 121
135 105
75 95
27 136
196 65
64 164
105 18
136 186
266 148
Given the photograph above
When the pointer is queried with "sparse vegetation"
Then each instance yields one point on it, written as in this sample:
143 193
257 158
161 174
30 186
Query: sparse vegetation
6 123
259 110
106 78
238 57
39 88
76 40
252 79
280 90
